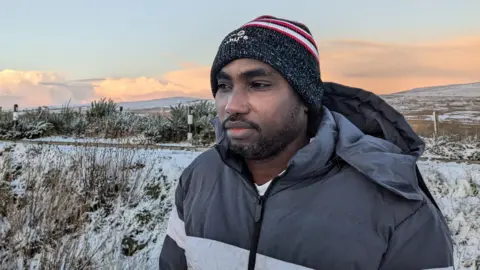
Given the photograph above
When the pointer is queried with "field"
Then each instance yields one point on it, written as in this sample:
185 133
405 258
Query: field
102 199
457 115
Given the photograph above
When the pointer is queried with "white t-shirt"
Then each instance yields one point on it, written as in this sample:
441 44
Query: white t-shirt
262 188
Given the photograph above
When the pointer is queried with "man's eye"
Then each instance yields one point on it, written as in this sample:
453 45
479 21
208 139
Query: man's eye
223 87
260 85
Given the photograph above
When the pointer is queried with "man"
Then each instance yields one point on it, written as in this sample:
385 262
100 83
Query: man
304 174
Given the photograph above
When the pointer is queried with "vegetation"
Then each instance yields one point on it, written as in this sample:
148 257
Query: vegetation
104 119
86 208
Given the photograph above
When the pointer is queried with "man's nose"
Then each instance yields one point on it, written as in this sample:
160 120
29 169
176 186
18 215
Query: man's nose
237 102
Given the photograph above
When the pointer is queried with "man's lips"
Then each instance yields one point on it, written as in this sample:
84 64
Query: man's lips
238 130
239 133
237 125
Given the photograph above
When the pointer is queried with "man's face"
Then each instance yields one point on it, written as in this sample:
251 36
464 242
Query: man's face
259 110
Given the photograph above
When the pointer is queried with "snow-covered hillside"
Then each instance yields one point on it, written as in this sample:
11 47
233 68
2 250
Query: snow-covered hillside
453 90
137 105
158 103
106 208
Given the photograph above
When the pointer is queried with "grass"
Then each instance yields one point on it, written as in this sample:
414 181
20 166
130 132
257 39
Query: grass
454 129
47 208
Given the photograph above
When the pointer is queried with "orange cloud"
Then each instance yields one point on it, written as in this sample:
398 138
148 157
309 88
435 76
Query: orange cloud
377 67
192 81
36 88
29 88
386 68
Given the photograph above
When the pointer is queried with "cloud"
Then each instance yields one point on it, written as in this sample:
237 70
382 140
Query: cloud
377 67
36 88
389 67
191 80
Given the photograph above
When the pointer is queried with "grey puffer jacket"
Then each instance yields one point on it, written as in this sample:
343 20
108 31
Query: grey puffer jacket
351 199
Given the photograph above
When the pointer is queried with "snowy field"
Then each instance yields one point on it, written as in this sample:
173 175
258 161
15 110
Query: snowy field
137 140
465 109
106 208
443 147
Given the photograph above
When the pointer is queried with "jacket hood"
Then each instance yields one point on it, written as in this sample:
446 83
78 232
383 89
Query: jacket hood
367 133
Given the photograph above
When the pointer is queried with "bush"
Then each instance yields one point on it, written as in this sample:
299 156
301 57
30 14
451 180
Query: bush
102 108
102 119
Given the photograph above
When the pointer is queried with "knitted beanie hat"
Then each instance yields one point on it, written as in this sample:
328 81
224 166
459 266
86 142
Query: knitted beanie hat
285 45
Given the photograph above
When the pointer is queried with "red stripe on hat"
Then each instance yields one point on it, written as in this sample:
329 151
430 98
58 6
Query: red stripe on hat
287 34
290 26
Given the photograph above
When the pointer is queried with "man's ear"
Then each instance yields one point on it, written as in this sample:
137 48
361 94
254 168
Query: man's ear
305 108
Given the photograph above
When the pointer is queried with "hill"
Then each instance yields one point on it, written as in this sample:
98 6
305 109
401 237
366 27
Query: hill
460 90
158 103
139 105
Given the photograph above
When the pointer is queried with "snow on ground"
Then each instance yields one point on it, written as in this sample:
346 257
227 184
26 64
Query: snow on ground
136 219
456 188
128 233
126 140
67 139
443 147
448 148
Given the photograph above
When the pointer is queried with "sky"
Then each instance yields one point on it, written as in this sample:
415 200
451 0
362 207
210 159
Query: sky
54 51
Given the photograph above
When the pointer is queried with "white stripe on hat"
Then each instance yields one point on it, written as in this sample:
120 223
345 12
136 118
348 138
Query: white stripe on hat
286 31
289 25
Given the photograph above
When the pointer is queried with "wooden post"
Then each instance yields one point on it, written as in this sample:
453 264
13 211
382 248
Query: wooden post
40 112
190 122
435 123
15 116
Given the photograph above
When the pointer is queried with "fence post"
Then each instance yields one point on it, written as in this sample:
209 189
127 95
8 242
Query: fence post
190 122
435 124
15 116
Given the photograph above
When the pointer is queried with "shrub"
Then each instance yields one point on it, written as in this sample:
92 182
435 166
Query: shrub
102 119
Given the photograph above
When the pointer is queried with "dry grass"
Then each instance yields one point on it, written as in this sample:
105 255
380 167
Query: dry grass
454 129
47 202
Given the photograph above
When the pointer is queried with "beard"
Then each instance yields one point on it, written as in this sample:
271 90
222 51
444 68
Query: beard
272 140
